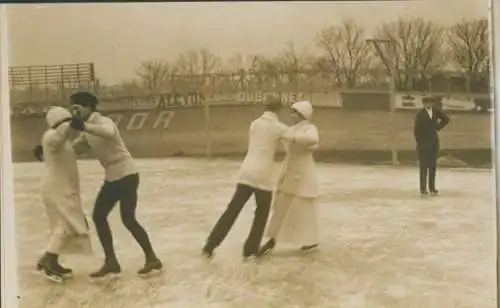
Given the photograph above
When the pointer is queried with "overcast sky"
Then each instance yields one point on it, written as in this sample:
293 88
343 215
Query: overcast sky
116 37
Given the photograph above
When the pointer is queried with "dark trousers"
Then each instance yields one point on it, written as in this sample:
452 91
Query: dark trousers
427 164
123 190
226 221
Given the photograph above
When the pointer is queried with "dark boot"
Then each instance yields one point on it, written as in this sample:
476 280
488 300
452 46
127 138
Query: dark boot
47 265
152 267
110 269
268 247
66 272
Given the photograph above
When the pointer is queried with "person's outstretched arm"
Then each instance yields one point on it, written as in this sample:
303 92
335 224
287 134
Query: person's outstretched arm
106 129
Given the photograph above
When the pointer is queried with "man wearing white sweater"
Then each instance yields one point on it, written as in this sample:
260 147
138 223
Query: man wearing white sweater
256 177
100 137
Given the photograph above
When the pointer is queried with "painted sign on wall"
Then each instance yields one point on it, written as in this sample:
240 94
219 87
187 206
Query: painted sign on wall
260 97
138 120
160 101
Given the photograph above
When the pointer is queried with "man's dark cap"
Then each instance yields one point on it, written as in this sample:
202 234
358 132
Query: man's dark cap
274 103
428 99
85 99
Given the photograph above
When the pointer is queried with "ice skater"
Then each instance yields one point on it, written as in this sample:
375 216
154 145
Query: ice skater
428 122
256 177
294 217
60 190
100 136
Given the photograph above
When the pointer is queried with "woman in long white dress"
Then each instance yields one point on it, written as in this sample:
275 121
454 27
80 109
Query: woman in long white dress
294 217
60 190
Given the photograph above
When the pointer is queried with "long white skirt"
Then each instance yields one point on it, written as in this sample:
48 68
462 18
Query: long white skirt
69 230
294 220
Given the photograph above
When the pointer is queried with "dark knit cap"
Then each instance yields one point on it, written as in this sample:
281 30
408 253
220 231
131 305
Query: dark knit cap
429 99
84 99
274 103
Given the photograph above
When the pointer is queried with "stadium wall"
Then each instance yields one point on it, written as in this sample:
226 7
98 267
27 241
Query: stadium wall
355 126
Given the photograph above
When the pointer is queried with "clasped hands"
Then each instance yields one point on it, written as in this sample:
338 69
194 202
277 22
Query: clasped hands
77 122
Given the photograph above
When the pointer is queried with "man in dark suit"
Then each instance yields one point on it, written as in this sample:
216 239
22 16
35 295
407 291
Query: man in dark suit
428 122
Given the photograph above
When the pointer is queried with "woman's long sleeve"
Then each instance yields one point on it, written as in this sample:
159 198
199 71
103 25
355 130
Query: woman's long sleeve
308 137
55 138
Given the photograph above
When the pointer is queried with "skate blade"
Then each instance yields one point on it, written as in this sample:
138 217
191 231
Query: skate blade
39 270
108 278
153 273
250 260
266 252
54 279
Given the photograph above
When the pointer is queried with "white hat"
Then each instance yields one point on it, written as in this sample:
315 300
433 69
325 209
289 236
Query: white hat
304 108
56 114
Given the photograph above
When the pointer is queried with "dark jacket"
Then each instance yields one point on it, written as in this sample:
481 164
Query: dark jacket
426 129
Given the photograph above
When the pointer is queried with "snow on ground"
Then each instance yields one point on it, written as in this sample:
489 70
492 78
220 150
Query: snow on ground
382 246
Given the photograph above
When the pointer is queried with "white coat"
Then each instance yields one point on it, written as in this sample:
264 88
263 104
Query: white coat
257 169
298 175
60 185
294 217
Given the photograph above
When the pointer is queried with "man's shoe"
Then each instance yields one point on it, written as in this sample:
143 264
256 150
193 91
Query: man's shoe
434 192
267 248
107 271
151 268
207 252
424 194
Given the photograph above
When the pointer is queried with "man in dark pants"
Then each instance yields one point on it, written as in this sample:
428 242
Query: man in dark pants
428 122
256 178
100 136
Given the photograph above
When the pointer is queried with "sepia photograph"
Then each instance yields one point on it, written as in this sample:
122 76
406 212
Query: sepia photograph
250 154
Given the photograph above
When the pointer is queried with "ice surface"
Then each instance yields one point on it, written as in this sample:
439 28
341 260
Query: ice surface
381 245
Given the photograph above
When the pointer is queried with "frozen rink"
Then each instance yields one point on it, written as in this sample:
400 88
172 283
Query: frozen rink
381 245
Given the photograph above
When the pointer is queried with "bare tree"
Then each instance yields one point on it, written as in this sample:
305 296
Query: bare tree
194 66
469 48
236 63
292 63
266 72
237 68
345 52
197 62
417 49
154 74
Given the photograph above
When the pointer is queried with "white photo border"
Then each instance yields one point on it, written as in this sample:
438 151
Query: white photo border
10 281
